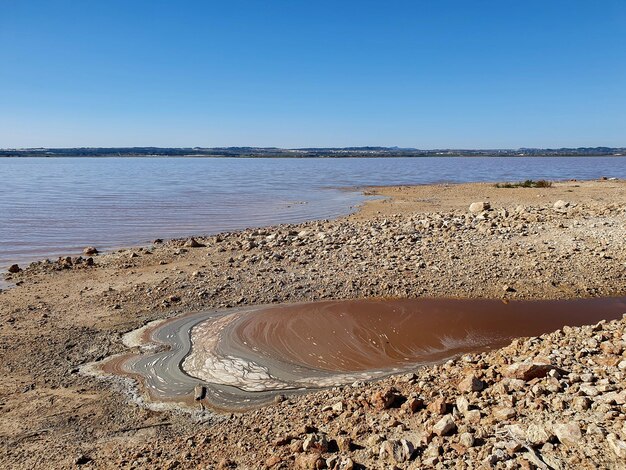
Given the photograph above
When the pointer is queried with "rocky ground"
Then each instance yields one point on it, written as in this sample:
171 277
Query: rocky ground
550 402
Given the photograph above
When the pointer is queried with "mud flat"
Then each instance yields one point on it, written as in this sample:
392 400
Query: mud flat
555 400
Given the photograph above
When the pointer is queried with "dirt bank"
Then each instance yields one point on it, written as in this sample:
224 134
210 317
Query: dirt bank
421 241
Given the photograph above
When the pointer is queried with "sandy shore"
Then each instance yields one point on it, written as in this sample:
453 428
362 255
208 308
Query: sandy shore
418 242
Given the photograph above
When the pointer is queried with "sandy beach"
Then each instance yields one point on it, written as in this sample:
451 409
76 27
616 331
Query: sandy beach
555 401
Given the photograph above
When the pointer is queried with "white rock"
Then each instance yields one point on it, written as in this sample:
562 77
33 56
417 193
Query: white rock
477 207
462 404
466 439
338 407
568 433
444 426
471 383
537 435
617 446
589 390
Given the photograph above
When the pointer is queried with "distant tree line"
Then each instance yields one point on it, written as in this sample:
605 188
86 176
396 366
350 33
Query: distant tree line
259 152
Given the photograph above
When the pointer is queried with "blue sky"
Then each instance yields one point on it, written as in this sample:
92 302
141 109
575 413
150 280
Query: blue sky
426 74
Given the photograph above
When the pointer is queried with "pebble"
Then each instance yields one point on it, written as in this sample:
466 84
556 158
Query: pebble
14 268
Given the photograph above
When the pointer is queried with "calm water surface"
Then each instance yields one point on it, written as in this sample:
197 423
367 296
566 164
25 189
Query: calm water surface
56 206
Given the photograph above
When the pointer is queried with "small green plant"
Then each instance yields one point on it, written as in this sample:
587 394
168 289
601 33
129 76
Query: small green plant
526 184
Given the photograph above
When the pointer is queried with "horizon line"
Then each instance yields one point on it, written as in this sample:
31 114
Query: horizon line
351 147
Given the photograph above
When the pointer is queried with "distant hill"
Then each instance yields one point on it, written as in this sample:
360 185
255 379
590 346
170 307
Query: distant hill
313 152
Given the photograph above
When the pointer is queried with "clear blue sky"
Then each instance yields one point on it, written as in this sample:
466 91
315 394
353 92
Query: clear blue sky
426 74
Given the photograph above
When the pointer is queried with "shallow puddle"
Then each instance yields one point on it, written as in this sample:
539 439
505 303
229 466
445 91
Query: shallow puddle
244 356
370 334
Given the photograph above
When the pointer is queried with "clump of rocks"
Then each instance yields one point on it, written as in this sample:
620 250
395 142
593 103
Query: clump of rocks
556 401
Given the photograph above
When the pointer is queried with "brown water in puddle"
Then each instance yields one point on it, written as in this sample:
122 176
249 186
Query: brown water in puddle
360 335
244 356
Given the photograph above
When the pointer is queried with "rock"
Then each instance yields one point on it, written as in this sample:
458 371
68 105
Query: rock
374 440
445 426
438 406
471 383
513 446
610 398
14 268
387 450
193 243
462 404
90 250
309 462
616 445
511 385
473 416
433 450
83 460
589 390
466 439
537 435
279 398
408 378
295 446
413 404
560 205
199 392
344 443
516 431
503 413
408 449
307 428
272 461
476 207
396 451
338 407
283 440
581 403
527 370
315 442
345 463
620 398
568 433
339 463
386 399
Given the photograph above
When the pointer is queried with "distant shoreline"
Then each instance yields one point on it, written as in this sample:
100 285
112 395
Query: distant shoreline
312 156
313 152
